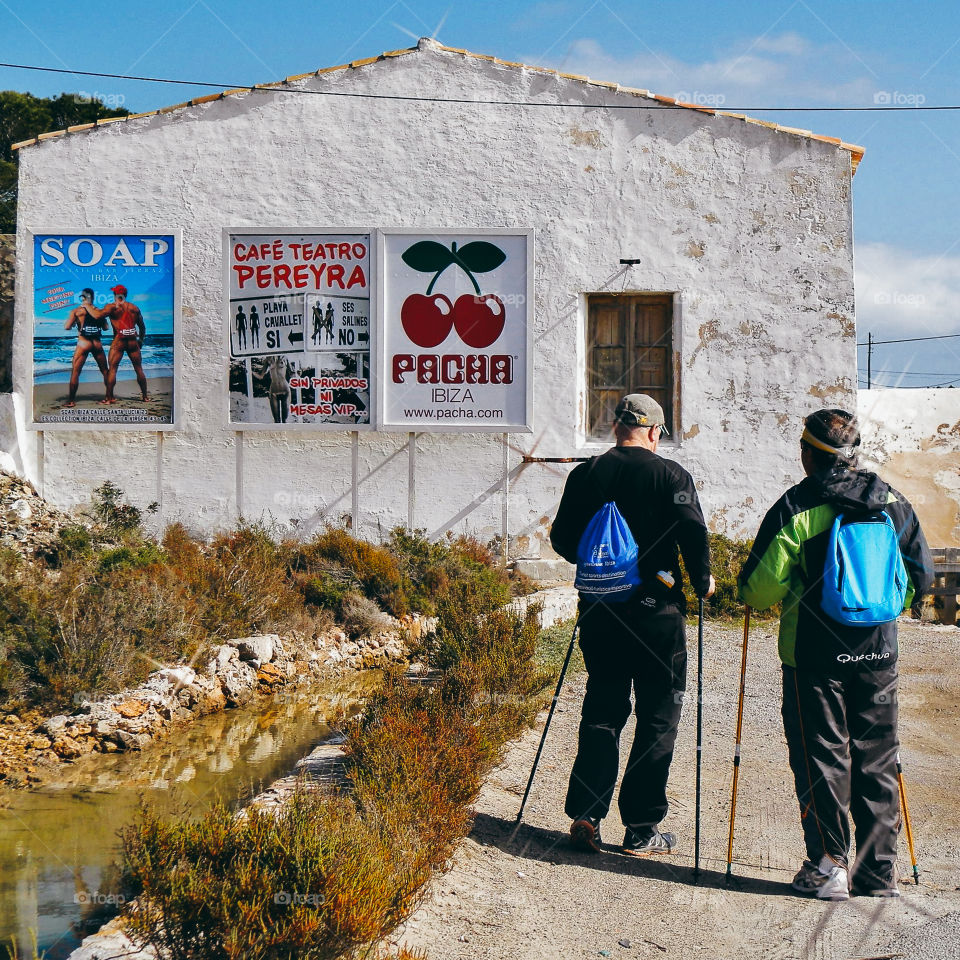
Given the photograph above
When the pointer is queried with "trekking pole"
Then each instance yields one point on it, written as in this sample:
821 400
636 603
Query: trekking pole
906 821
546 727
696 835
736 751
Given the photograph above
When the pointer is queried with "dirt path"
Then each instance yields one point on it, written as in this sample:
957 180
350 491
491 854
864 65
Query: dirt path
525 894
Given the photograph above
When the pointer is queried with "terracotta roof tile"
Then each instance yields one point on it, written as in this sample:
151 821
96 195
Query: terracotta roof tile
856 152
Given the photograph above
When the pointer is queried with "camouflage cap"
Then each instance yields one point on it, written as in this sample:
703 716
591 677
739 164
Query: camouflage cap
639 410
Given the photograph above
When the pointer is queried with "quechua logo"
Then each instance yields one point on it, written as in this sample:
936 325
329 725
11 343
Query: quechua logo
428 318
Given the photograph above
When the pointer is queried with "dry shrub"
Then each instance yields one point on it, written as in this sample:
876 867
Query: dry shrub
373 567
237 583
416 759
312 882
362 617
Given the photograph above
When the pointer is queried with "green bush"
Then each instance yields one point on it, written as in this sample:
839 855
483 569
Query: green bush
727 558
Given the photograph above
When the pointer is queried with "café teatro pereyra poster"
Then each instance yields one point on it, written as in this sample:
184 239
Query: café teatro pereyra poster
105 308
298 328
455 321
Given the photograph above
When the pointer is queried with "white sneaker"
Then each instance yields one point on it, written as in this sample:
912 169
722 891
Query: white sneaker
828 881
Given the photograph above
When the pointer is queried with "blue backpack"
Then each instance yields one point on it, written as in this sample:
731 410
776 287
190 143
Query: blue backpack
607 558
864 579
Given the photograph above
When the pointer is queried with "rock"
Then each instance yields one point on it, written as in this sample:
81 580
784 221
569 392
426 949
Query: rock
238 685
270 673
54 725
11 719
210 700
224 654
40 743
256 648
105 728
178 676
19 510
132 741
334 655
66 747
131 708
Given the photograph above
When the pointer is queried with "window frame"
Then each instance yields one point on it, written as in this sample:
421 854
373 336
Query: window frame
628 325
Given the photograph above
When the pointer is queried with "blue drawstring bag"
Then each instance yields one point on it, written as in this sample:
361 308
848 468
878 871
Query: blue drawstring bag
607 558
864 579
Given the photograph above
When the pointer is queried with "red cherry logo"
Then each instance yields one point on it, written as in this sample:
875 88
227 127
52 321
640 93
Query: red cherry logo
479 319
427 320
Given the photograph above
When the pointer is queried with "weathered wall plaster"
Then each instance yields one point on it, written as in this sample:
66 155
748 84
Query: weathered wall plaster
912 439
750 227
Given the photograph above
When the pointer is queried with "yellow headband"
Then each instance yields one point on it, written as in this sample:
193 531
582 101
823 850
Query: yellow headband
808 437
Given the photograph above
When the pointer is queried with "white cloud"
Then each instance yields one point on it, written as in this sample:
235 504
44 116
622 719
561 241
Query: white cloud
789 43
902 294
779 70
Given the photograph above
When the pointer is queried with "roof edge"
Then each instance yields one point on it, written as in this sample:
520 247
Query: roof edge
856 152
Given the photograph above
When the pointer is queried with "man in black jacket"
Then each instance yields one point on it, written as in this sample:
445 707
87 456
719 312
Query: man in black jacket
638 643
839 680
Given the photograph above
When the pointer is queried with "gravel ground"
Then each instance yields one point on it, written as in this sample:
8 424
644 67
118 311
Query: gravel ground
523 893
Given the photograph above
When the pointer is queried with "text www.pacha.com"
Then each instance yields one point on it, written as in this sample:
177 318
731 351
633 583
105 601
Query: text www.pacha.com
455 414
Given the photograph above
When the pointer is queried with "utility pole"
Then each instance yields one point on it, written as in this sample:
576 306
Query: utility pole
869 356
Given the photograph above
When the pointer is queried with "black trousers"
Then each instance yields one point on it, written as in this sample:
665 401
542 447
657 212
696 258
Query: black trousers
624 649
842 739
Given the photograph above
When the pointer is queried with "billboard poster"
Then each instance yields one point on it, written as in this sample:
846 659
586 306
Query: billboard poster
455 309
105 308
298 328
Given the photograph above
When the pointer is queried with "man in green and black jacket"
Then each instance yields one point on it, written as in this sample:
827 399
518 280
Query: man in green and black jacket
839 681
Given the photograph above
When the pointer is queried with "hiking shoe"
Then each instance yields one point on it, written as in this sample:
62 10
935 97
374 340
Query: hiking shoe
645 844
828 881
585 835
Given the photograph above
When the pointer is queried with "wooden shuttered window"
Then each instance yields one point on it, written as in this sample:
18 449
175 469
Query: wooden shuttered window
629 350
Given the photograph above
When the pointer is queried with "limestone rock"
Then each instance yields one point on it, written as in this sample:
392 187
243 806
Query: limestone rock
270 673
131 708
256 648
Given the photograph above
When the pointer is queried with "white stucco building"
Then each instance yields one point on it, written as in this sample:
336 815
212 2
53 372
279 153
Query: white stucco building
738 312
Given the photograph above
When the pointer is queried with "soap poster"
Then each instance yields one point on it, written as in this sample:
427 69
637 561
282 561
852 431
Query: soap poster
298 328
105 309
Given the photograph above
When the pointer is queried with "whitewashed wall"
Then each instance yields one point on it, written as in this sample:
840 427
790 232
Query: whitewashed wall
912 439
751 227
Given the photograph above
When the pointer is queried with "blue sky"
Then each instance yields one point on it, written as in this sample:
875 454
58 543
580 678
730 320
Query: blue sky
733 55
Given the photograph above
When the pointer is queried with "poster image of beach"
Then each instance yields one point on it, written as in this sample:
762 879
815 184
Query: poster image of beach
298 329
104 328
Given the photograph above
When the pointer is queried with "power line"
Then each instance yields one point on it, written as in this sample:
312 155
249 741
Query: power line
911 373
465 100
943 336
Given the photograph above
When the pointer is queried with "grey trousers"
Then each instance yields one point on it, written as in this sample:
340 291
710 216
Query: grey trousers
842 739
